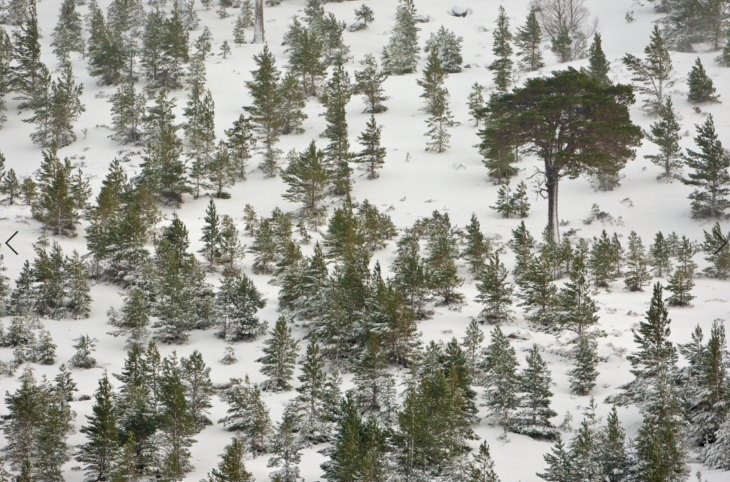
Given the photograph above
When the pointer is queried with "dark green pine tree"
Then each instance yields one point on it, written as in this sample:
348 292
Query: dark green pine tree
173 51
292 103
374 385
660 256
560 464
369 84
655 354
476 103
222 171
241 142
701 88
232 468
400 56
26 409
198 387
495 292
28 69
534 414
502 50
106 50
305 57
280 354
448 49
520 204
67 36
51 450
637 274
329 30
151 53
583 376
665 134
680 285
134 319
478 248
55 207
432 82
373 154
500 366
211 235
100 453
440 121
529 40
239 31
308 178
614 457
598 66
76 286
710 173
126 469
364 14
265 111
538 292
576 310
504 205
335 97
263 248
177 428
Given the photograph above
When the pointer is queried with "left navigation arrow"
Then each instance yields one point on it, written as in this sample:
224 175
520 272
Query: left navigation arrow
8 242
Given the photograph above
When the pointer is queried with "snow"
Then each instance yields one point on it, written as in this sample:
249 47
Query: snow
413 189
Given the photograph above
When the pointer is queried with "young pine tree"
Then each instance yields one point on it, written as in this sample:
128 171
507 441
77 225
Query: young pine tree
478 248
400 55
369 84
308 179
495 292
710 173
280 353
654 74
237 301
448 49
101 451
335 97
285 449
665 134
373 154
660 256
637 274
598 66
232 468
583 376
374 385
701 88
481 469
67 36
292 103
528 40
476 103
85 346
533 417
500 366
502 50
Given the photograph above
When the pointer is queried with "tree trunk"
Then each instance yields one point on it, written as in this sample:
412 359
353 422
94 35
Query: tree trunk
258 29
551 184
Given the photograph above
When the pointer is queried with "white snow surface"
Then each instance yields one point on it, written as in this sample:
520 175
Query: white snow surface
452 182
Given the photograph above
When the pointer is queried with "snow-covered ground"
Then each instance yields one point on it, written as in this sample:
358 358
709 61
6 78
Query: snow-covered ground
452 182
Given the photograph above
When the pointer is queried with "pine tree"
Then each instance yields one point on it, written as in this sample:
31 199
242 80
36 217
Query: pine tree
504 205
560 466
472 347
447 47
656 353
533 417
528 40
230 248
576 310
211 235
248 414
173 51
372 155
232 467
476 103
10 186
364 14
127 110
85 346
636 275
238 300
265 110
701 88
374 386
280 353
477 248
26 412
239 31
77 287
286 447
198 387
400 56
654 74
263 248
222 171
329 30
500 367
314 423
67 34
502 50
241 142
292 98
308 179
562 44
710 173
441 119
369 84
225 49
177 427
335 97
100 453
660 253
305 58
538 292
598 66
481 469
28 70
583 376
614 457
134 318
495 292
665 134
51 449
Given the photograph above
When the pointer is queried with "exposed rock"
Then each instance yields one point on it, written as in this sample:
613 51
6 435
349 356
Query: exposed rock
460 12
